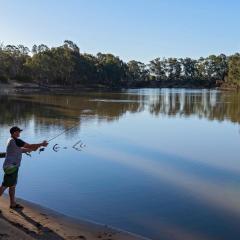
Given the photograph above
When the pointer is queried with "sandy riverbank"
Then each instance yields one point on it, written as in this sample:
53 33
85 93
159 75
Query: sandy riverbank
16 87
36 222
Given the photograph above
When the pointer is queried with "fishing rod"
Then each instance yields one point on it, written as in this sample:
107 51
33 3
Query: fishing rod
63 132
3 154
58 135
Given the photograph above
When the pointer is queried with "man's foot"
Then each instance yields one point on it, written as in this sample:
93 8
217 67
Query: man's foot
16 206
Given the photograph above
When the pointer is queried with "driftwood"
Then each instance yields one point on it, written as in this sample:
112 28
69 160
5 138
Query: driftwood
2 155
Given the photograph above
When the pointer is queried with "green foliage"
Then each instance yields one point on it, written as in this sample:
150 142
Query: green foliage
137 71
12 59
3 79
111 70
189 67
158 69
65 65
234 69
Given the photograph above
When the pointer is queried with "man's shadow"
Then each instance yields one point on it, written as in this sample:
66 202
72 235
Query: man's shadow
43 232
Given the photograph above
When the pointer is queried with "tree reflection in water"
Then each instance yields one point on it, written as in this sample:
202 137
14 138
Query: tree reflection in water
66 110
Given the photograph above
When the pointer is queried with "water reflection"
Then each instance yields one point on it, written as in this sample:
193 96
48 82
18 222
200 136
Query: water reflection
158 162
63 110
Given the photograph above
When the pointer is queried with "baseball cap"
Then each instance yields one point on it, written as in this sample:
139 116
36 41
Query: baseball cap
15 129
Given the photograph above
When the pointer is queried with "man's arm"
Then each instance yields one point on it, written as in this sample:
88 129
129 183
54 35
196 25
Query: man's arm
34 147
26 150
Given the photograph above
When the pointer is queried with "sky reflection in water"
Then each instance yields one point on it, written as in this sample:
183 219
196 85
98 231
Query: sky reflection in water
161 163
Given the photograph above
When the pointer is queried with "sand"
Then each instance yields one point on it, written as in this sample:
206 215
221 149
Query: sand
36 222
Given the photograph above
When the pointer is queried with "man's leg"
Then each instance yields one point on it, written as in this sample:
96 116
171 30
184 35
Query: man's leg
2 189
12 196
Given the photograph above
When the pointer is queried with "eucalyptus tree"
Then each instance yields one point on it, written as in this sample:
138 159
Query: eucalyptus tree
12 60
189 68
111 69
41 64
234 69
172 68
157 69
66 65
138 71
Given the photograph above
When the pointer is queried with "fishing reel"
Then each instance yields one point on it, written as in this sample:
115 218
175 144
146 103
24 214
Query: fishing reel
41 150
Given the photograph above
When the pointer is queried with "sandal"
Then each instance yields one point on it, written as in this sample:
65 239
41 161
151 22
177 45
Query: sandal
17 206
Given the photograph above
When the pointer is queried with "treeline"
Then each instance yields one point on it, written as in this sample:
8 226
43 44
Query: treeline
67 66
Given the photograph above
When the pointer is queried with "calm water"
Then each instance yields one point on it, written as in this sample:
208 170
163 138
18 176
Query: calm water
161 163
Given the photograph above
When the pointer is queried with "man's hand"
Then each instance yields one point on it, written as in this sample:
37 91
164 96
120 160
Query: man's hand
44 143
35 147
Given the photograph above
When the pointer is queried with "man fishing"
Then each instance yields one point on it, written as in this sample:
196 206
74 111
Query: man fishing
15 148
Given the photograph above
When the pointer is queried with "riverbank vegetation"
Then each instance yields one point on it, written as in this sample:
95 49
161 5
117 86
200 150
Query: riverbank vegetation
67 66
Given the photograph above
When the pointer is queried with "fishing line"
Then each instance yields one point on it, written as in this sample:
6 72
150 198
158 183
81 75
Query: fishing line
62 133
58 135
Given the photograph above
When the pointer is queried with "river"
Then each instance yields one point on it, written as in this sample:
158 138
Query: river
162 163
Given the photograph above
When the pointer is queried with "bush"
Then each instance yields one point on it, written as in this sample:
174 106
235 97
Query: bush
23 78
3 79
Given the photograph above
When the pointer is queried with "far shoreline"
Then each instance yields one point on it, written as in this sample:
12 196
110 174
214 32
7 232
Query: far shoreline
16 87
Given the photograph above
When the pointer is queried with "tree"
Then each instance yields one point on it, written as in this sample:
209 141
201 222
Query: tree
189 68
71 45
234 69
65 65
157 69
138 71
111 69
12 59
173 68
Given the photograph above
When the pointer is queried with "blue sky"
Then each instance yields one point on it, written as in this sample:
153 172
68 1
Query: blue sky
131 29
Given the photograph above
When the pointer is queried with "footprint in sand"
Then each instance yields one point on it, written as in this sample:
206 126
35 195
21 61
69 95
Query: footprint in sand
3 235
78 237
105 236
